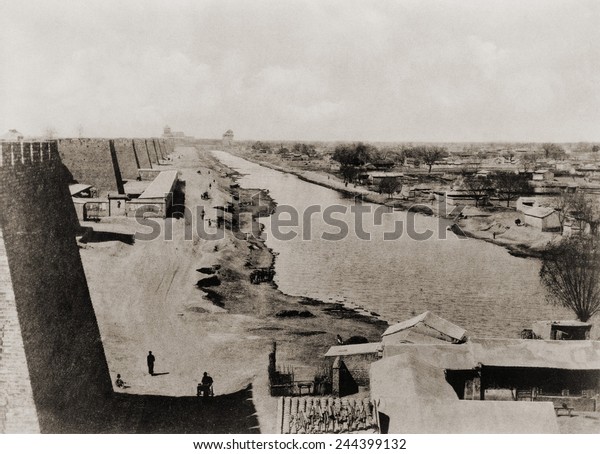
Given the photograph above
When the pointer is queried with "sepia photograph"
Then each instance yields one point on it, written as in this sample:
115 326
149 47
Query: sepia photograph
372 218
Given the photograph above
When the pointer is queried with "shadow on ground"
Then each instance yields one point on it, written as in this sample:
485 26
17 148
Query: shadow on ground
149 414
100 236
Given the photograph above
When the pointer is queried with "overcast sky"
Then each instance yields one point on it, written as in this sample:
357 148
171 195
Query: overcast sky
314 70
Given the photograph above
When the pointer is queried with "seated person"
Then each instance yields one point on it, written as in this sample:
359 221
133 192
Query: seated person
119 381
207 383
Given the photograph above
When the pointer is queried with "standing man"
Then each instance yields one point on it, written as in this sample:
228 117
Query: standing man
150 359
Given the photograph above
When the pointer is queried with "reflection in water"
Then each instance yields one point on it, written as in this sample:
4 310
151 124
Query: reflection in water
474 284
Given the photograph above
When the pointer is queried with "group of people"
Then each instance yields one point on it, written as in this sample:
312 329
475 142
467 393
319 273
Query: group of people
205 387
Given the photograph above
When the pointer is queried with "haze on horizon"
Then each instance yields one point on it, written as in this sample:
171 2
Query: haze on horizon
367 70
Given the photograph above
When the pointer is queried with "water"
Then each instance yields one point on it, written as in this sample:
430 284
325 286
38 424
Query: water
474 284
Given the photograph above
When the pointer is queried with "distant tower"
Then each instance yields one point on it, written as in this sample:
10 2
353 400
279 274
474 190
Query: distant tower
167 131
228 138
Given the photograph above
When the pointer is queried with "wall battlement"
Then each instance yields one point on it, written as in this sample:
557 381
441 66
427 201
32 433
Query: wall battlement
27 153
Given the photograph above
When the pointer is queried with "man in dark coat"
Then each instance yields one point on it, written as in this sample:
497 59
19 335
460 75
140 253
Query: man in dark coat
150 360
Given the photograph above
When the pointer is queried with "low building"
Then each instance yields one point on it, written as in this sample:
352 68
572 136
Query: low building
542 175
376 177
544 219
480 380
90 208
413 396
525 203
157 198
562 330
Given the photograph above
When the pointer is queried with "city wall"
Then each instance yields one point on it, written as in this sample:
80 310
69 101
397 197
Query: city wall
51 317
108 163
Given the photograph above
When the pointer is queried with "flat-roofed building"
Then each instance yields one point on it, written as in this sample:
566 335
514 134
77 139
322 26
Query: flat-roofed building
157 198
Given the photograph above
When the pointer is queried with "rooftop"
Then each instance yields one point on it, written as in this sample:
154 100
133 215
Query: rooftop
538 212
77 188
161 185
435 407
432 321
135 187
355 349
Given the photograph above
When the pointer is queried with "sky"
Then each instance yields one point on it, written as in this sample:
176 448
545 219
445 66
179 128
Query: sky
371 70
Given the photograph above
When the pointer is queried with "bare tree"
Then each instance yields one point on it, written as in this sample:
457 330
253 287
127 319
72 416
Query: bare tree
571 275
509 186
478 188
586 209
563 205
431 155
529 161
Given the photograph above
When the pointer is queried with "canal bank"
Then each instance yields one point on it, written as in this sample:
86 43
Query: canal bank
520 243
475 284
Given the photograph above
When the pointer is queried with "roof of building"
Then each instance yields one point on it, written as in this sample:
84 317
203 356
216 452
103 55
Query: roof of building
135 187
435 407
444 356
354 349
77 188
529 353
161 185
413 336
538 212
386 174
432 321
84 200
553 354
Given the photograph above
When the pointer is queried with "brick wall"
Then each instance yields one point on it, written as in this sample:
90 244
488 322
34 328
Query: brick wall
65 358
127 158
142 153
90 162
152 151
17 409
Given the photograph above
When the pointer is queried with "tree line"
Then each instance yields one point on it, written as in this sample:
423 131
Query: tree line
352 157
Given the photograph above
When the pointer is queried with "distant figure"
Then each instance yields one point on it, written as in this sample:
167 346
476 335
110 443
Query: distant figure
119 381
339 340
150 360
494 235
206 386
